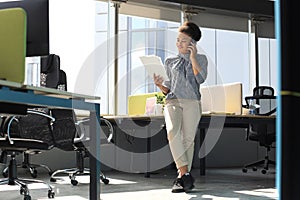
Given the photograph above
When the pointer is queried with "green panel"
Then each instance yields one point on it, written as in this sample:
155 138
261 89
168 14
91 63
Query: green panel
12 44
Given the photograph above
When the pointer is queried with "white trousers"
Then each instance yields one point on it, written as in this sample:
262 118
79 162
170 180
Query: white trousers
182 118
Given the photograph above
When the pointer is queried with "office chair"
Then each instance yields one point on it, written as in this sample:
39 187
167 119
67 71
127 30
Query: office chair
81 143
23 134
50 71
52 77
26 164
263 103
81 140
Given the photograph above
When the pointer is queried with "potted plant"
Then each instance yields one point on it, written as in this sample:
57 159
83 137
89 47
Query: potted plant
160 103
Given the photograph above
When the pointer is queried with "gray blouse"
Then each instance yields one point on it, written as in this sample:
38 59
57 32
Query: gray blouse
182 83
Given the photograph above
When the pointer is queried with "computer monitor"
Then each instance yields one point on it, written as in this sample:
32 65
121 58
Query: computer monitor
37 25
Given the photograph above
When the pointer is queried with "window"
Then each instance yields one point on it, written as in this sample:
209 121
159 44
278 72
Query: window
232 58
267 62
143 37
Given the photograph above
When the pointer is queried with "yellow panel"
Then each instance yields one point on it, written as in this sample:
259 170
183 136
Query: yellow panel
12 44
137 103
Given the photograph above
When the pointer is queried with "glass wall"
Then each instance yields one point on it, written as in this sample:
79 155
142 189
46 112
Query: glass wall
140 37
268 62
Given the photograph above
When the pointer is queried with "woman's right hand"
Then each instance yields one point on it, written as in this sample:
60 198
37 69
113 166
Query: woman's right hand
158 80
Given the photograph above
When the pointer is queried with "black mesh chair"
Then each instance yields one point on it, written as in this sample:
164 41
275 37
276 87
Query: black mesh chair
263 103
80 146
25 134
52 77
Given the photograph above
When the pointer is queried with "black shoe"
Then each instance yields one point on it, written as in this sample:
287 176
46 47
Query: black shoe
177 186
188 182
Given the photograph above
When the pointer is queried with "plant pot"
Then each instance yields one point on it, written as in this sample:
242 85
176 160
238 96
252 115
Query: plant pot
158 109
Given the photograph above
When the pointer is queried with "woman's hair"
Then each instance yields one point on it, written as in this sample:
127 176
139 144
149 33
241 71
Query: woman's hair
191 29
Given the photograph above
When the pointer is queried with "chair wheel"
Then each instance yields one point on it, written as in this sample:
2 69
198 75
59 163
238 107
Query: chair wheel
245 170
51 194
263 171
105 181
52 179
254 169
74 182
24 191
34 173
27 197
5 174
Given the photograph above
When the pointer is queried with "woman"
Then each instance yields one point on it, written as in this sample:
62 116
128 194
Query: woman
186 72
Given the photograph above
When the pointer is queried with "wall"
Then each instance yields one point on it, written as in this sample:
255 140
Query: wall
72 36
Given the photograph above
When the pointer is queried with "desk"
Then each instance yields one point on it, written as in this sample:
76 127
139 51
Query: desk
215 123
16 99
209 125
134 138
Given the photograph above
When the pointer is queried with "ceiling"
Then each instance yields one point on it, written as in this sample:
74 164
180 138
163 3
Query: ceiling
259 8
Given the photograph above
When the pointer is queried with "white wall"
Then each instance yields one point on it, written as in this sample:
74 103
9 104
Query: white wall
72 35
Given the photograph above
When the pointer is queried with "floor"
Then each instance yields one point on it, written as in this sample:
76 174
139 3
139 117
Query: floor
217 184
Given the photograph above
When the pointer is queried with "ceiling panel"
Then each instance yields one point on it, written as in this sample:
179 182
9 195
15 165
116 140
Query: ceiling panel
260 7
234 7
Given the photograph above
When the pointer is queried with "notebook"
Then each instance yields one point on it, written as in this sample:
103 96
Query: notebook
13 44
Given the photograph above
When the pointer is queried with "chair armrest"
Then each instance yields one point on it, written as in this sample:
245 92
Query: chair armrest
245 106
85 121
111 129
80 133
8 130
82 121
268 113
41 114
248 133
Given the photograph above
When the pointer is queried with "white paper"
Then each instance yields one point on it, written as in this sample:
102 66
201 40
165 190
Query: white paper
154 65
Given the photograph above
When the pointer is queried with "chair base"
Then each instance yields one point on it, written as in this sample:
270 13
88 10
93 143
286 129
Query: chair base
27 165
265 163
73 172
23 183
81 154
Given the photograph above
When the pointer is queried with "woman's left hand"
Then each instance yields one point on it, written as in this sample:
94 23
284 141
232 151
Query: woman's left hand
193 50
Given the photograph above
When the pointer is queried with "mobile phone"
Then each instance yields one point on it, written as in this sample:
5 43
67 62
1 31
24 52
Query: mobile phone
192 42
